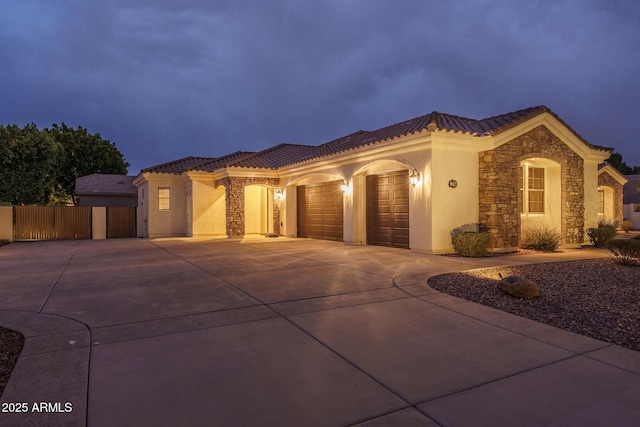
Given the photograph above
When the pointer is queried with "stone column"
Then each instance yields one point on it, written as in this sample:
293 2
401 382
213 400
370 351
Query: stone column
235 205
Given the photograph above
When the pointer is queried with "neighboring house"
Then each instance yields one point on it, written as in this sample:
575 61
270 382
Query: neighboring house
106 190
632 200
405 185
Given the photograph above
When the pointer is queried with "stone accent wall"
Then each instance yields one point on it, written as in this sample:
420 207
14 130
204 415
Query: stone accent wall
234 187
606 180
499 185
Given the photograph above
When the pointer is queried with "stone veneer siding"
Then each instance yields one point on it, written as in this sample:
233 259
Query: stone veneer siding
234 187
499 187
606 180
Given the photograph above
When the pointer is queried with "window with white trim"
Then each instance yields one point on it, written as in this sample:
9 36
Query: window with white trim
164 199
601 201
532 190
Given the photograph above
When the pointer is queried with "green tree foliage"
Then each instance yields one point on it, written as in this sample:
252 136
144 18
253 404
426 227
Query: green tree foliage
28 165
616 161
40 166
83 154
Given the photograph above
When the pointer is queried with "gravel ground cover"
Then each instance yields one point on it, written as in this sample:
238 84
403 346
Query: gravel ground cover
11 343
597 298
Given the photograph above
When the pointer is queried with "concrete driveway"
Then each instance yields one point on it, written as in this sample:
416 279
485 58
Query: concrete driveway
284 332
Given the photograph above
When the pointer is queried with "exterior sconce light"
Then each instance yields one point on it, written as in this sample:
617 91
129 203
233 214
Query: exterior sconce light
414 178
278 194
346 189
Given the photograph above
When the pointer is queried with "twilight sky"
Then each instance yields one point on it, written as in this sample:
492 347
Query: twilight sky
165 79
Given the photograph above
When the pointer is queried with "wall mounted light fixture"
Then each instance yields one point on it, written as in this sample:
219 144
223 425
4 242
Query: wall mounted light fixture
346 189
278 194
414 178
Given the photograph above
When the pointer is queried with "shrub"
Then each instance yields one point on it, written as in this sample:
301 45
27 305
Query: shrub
541 238
626 225
625 251
470 243
605 232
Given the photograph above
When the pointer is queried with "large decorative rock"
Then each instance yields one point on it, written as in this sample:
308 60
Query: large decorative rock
519 287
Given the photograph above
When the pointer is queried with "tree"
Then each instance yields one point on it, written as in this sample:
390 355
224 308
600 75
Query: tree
28 162
83 154
615 160
41 166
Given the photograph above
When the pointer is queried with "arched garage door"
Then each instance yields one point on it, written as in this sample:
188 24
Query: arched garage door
388 209
320 211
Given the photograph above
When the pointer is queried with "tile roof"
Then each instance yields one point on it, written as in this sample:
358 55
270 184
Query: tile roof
99 183
288 154
180 165
441 121
221 162
275 157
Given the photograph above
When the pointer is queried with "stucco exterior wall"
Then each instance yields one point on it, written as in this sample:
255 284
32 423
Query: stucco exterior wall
98 223
451 188
590 194
631 212
6 223
258 209
206 208
162 223
498 187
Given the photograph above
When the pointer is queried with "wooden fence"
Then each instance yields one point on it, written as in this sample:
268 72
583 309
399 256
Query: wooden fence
52 222
70 222
121 222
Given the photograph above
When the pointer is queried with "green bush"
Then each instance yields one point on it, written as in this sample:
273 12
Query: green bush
470 243
541 238
625 251
605 232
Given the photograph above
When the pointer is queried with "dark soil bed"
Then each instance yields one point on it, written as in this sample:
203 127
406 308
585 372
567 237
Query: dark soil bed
597 298
11 343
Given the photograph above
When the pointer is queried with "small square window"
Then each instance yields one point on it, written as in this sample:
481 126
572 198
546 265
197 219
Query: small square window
164 199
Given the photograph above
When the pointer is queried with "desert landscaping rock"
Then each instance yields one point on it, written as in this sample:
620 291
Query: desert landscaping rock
519 287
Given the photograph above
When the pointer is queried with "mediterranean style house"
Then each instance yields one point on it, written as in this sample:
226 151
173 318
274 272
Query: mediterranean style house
406 185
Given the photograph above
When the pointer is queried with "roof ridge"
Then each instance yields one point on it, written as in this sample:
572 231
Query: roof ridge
538 109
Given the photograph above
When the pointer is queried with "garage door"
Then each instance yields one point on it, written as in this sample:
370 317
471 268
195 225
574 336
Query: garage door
320 211
388 209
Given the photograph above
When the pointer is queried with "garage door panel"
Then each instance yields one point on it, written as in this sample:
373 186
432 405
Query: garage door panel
320 211
388 209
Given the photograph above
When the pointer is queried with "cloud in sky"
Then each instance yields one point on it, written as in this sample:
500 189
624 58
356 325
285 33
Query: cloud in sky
165 79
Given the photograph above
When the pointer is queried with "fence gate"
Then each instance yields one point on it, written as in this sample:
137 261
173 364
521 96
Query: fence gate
121 222
52 222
